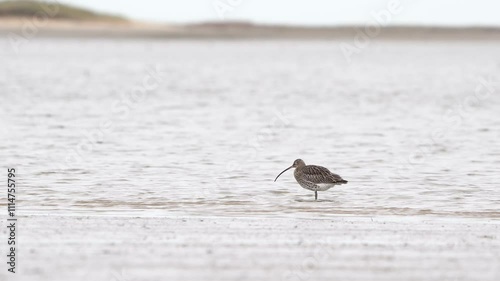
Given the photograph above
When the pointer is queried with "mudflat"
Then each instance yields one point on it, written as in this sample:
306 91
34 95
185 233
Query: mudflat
225 248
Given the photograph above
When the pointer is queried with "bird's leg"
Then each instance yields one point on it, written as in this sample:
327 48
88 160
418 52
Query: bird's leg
316 195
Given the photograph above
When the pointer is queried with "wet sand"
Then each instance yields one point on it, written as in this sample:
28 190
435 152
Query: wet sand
337 248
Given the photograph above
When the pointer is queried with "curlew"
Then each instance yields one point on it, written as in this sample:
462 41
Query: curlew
314 178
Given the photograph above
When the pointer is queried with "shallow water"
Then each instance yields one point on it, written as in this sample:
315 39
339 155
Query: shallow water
401 122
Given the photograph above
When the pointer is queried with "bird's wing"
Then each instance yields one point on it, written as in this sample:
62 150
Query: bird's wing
318 174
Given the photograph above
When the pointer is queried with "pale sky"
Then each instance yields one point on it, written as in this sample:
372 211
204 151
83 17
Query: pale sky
303 12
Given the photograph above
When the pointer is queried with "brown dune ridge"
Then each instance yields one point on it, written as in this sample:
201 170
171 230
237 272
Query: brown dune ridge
234 30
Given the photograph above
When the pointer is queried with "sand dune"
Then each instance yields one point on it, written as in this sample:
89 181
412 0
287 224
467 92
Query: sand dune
229 30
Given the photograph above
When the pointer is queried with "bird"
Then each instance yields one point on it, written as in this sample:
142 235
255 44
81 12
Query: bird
314 178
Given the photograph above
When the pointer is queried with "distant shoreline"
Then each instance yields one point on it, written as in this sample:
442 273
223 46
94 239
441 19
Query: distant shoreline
222 30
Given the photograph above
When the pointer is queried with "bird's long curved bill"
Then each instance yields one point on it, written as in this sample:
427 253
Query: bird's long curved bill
283 172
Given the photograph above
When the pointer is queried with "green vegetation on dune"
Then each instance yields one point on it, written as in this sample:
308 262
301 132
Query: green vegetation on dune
53 9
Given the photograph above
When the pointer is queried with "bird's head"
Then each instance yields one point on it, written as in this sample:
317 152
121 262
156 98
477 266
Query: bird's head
296 164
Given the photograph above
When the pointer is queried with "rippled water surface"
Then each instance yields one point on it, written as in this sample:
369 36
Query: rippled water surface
410 125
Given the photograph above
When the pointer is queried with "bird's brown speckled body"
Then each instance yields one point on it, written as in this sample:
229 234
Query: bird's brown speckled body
314 178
